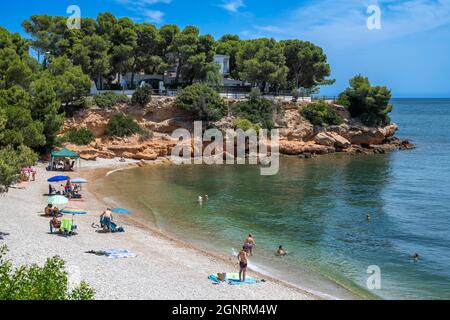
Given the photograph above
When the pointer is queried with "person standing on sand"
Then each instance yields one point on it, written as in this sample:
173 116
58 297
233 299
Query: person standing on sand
243 264
249 244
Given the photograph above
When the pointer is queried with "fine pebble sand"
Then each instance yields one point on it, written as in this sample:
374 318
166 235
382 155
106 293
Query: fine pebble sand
163 269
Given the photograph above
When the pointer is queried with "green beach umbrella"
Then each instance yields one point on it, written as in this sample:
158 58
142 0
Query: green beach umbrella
57 200
79 180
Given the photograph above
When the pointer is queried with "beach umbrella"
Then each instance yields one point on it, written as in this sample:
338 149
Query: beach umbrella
120 211
57 200
58 179
74 211
79 180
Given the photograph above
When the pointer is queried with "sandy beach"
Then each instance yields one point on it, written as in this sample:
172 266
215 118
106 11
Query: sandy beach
164 268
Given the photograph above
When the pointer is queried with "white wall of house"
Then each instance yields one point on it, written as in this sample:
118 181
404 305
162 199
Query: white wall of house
224 62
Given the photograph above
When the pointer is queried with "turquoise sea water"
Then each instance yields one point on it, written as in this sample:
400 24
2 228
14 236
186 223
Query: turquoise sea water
317 209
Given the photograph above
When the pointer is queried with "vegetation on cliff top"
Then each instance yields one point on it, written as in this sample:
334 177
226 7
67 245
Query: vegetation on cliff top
366 102
321 114
121 125
257 110
203 101
110 99
78 136
142 95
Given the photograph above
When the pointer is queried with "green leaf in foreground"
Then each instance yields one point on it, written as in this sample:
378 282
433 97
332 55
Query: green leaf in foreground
32 282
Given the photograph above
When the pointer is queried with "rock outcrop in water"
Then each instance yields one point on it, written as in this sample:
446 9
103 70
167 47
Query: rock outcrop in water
297 136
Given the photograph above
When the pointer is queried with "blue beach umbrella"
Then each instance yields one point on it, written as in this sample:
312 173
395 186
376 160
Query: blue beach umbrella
120 211
58 179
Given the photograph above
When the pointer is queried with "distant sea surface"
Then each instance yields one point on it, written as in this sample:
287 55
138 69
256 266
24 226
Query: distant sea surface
316 209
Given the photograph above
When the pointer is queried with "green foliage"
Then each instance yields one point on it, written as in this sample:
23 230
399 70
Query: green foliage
33 282
109 46
69 81
321 114
262 63
257 110
121 125
45 108
203 101
110 99
245 125
145 135
307 64
11 161
142 95
81 136
19 126
366 102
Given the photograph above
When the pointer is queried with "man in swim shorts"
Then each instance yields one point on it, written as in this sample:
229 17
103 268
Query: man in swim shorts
243 263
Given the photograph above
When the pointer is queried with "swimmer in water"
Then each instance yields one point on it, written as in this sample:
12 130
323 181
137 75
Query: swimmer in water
368 217
281 252
415 257
200 199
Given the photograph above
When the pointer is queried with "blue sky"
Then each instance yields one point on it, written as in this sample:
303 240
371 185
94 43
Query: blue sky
410 53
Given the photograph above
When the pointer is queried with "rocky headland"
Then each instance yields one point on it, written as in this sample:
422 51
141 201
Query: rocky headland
298 137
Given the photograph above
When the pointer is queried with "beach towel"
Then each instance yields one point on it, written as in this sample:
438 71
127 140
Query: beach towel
119 254
233 279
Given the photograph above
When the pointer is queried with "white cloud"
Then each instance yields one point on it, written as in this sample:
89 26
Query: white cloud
141 8
154 16
345 23
143 3
232 5
270 29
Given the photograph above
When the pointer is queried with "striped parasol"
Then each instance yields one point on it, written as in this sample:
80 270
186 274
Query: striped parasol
74 211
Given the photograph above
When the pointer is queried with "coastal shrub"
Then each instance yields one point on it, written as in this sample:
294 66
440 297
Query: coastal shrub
142 95
245 125
11 161
80 137
121 125
321 114
368 103
145 135
203 101
110 99
256 109
32 282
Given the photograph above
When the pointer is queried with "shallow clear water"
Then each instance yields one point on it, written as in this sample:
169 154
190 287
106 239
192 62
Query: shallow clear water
317 209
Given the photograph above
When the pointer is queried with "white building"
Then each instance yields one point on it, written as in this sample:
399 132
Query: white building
224 62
